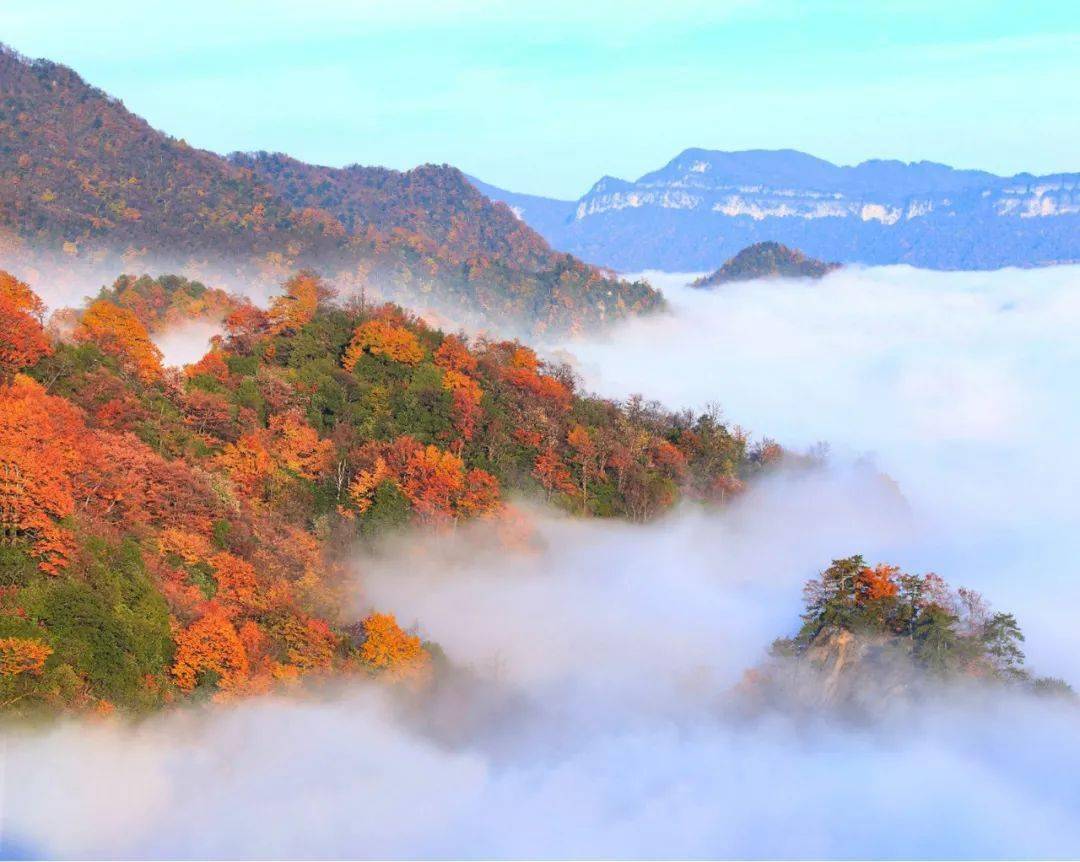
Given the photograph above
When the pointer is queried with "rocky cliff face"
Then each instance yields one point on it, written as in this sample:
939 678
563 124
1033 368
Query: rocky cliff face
855 675
791 185
703 206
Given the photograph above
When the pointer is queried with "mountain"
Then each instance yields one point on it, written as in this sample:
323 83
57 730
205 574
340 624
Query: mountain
432 201
88 188
172 535
544 215
704 205
765 260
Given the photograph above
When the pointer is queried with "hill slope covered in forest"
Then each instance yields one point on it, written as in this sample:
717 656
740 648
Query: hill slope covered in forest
175 534
169 533
88 188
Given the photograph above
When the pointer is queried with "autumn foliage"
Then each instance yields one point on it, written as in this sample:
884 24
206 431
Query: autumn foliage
41 438
90 189
210 647
120 334
249 463
22 340
390 651
237 583
23 655
385 339
169 300
902 620
297 305
434 481
523 372
876 583
297 445
194 522
21 296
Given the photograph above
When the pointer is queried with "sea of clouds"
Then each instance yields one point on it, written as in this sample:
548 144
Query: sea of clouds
958 385
590 717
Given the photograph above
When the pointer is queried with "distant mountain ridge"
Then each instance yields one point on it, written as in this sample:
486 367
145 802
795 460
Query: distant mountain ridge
704 206
767 260
89 189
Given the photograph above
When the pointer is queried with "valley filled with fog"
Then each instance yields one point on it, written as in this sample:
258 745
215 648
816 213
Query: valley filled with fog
593 710
959 386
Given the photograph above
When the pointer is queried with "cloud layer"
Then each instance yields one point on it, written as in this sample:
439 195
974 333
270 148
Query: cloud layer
958 385
591 715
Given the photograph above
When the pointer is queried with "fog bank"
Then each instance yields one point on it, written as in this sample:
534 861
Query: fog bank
591 714
959 385
590 720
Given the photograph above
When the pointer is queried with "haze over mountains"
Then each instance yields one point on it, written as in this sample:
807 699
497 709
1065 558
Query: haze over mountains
704 206
89 190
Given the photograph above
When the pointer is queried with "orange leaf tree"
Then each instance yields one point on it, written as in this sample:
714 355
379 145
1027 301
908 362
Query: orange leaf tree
249 464
453 355
552 473
23 655
236 581
210 646
21 296
297 306
438 486
39 453
383 338
878 582
120 334
22 340
298 447
390 651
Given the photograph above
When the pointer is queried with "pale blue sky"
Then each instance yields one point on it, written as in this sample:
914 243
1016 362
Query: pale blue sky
547 97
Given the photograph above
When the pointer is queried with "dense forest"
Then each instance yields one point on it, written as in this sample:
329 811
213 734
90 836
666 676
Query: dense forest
88 188
434 201
179 533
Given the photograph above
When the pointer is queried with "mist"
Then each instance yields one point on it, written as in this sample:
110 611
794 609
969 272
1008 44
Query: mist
73 283
958 385
594 706
186 343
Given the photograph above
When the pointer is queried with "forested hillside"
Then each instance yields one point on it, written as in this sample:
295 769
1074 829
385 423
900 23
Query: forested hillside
174 533
88 188
434 201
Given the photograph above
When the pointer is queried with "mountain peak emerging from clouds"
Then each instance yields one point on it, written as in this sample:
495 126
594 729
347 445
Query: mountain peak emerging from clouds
767 260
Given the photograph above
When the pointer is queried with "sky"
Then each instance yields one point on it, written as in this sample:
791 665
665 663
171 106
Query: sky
548 97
